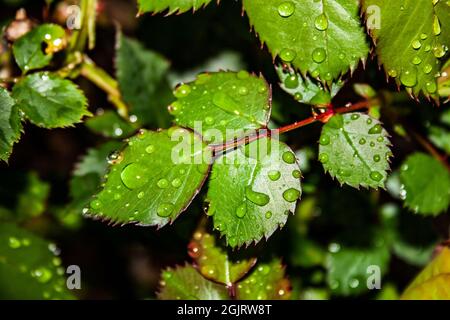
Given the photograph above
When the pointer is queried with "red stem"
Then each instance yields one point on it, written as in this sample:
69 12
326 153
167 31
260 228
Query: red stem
321 117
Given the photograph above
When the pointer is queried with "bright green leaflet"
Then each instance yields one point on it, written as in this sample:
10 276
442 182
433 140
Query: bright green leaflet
266 282
142 80
29 51
304 90
354 148
153 179
426 184
217 102
49 101
33 200
440 134
111 125
10 124
253 190
348 268
29 268
412 40
185 283
215 263
172 6
323 38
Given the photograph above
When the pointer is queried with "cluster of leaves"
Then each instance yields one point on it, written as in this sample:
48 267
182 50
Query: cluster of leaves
217 134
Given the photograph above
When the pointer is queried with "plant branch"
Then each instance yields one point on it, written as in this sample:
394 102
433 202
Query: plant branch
430 149
323 117
105 82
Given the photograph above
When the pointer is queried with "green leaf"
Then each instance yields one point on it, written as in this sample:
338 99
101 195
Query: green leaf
215 263
217 102
29 268
354 148
49 101
142 79
426 184
29 52
32 201
172 6
252 190
322 38
348 268
185 283
410 51
266 282
432 282
440 134
110 125
153 179
10 124
304 90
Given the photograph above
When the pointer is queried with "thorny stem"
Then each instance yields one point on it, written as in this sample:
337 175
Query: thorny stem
105 82
323 117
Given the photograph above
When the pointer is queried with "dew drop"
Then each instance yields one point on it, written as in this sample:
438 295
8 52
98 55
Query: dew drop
150 149
165 209
323 157
133 176
96 204
182 91
416 44
176 183
431 87
268 214
324 140
243 74
362 141
291 81
43 275
243 91
163 183
287 55
296 174
376 129
241 210
114 157
288 157
291 195
376 176
286 9
258 198
355 116
436 26
427 68
376 158
321 22
274 175
209 121
319 55
409 77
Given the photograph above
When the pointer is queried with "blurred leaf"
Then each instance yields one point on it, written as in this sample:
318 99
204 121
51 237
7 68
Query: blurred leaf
348 268
29 268
215 263
306 253
153 179
10 124
388 292
49 101
324 39
32 201
426 184
266 282
421 45
185 283
252 190
142 76
354 148
433 283
224 101
29 52
110 125
172 6
440 134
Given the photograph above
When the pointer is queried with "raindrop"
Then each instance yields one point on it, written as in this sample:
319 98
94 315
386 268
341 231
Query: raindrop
133 176
241 210
324 140
243 74
291 195
321 22
296 174
14 243
288 157
286 9
323 157
150 149
182 91
376 176
176 183
258 198
163 183
409 77
319 55
268 214
274 175
376 129
287 55
291 81
96 204
165 209
376 158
